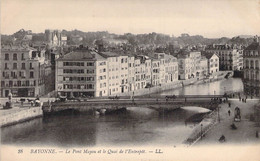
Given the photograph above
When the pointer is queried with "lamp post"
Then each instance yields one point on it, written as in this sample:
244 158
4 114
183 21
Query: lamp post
133 98
201 125
149 91
218 115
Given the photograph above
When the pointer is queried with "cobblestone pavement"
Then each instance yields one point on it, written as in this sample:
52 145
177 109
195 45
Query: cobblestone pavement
246 129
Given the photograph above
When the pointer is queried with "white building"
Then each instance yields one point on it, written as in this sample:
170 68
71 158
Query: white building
81 73
117 72
213 62
131 72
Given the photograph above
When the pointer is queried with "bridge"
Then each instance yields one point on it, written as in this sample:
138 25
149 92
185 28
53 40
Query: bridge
160 104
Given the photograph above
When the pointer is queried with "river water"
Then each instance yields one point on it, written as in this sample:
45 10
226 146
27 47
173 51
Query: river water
136 127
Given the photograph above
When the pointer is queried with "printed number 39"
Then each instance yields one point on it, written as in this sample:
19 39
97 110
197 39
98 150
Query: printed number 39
20 151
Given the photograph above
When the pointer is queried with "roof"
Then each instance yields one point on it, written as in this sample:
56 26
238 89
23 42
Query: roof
253 46
220 47
17 48
166 56
82 55
108 54
183 54
208 55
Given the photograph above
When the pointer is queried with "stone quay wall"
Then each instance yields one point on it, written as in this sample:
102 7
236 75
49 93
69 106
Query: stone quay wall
20 116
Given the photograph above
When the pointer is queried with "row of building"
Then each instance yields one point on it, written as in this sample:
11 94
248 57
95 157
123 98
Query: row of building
97 74
230 56
26 71
251 78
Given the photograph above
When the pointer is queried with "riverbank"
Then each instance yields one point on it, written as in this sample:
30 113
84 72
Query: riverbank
246 129
19 114
174 85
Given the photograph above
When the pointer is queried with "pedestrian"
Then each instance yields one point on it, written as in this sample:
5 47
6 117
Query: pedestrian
256 134
245 100
239 98
229 104
229 112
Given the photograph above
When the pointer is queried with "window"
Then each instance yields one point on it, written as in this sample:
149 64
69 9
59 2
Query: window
90 86
10 83
79 71
27 83
23 65
31 67
2 83
19 83
6 56
14 65
90 71
31 74
22 58
14 56
90 64
6 66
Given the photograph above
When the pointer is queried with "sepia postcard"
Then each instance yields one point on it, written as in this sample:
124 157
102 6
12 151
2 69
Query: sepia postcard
130 80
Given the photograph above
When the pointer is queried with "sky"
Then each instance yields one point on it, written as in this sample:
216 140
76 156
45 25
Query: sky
210 18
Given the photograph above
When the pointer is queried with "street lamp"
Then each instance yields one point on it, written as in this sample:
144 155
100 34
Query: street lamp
201 125
218 115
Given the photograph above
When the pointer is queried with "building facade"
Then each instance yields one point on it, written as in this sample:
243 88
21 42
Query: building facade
203 67
213 62
195 58
22 71
117 72
184 67
81 73
140 80
155 69
171 68
230 56
251 79
131 72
